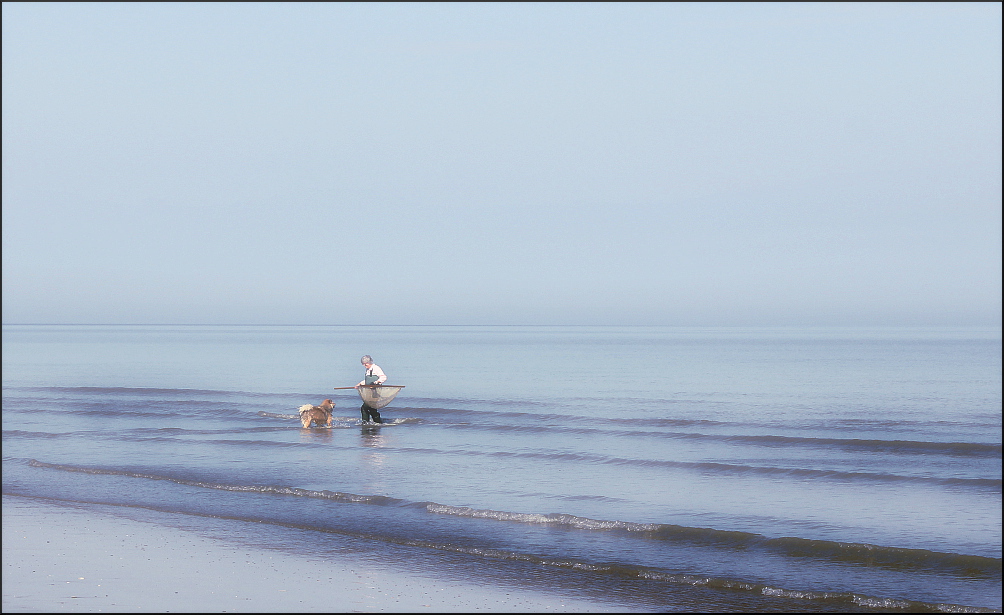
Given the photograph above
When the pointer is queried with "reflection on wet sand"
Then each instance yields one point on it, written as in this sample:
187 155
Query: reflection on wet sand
372 437
315 434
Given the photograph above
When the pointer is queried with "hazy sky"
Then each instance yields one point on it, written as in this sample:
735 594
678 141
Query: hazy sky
653 163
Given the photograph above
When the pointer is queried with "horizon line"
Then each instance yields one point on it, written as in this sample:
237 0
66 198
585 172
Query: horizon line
207 324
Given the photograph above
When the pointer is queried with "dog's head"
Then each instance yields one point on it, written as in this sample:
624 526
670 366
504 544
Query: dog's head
327 404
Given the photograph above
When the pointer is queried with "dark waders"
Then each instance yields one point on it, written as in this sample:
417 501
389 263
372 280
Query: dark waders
368 413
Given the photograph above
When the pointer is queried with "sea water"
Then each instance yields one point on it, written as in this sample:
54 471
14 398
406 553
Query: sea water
648 468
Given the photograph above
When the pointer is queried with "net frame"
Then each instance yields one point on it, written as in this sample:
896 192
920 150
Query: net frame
378 395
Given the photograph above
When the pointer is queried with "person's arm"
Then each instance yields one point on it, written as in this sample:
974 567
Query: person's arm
381 377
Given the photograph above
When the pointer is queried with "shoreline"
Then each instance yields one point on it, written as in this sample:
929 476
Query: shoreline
69 559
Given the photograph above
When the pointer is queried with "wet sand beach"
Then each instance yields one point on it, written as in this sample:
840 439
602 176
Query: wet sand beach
71 560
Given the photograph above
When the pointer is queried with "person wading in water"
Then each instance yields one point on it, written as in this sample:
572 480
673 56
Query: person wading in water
374 375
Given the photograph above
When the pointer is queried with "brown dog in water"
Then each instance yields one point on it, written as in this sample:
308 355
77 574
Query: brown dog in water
315 415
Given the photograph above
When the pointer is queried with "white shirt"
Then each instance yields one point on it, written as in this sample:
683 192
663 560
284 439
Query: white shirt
374 370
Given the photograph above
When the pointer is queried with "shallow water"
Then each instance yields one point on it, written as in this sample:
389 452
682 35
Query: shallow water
734 469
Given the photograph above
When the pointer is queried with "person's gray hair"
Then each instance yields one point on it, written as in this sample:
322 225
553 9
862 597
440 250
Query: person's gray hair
366 359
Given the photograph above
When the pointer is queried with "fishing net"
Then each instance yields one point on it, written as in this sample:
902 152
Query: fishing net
378 396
